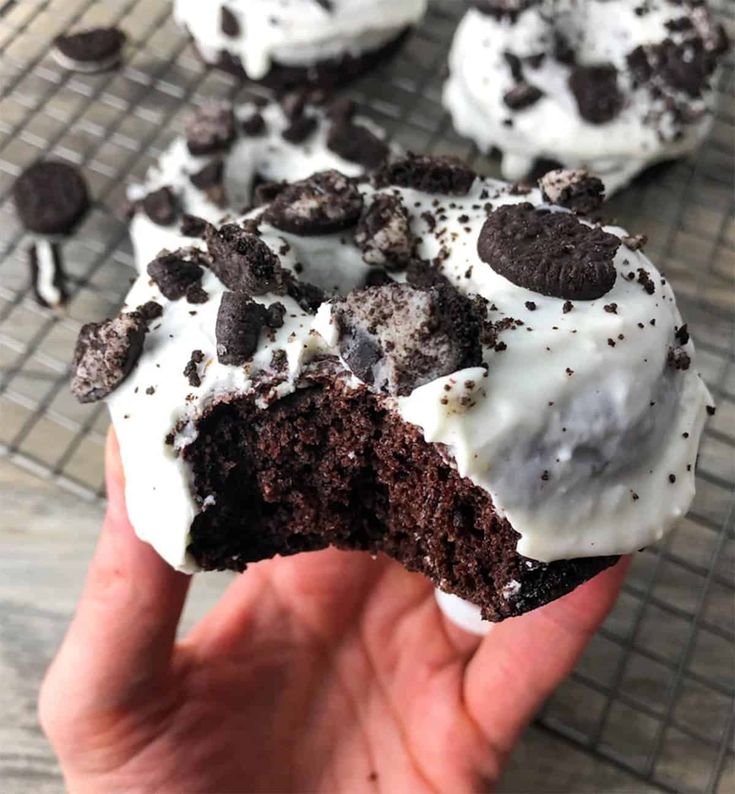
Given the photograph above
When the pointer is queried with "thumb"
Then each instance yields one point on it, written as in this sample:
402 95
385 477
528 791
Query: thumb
122 635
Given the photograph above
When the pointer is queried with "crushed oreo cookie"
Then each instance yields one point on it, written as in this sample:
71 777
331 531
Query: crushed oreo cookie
174 272
211 129
551 253
325 202
503 9
395 338
431 173
358 144
193 226
244 263
522 96
105 355
253 125
239 323
300 129
229 23
678 358
597 93
191 370
384 233
161 206
576 190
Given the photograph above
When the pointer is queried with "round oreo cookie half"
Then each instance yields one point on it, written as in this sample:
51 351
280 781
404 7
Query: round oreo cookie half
93 50
50 197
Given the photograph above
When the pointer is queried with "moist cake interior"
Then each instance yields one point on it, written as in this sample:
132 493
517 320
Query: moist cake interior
329 465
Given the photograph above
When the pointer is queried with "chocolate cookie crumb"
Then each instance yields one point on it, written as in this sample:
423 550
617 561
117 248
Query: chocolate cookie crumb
597 93
384 233
244 263
175 271
161 206
238 326
191 370
576 190
678 358
442 174
358 144
211 128
105 354
325 202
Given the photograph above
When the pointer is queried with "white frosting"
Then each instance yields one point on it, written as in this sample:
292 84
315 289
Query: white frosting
462 613
268 156
576 440
295 32
604 31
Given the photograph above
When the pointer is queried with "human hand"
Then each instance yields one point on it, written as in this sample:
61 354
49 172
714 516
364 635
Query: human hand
328 670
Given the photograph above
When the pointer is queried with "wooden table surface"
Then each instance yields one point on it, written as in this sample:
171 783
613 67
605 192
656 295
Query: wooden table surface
46 539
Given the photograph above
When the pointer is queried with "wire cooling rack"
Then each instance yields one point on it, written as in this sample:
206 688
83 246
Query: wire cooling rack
654 694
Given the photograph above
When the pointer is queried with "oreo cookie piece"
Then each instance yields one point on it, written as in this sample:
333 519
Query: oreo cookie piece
161 206
395 337
384 233
522 95
105 355
244 263
211 128
503 9
576 190
428 172
93 50
210 180
194 226
325 202
50 197
551 253
358 144
176 271
48 279
237 330
300 129
229 23
308 296
596 90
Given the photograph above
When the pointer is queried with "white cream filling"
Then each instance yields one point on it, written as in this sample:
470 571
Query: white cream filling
46 276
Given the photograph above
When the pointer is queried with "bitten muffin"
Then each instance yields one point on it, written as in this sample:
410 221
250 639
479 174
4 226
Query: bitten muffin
482 382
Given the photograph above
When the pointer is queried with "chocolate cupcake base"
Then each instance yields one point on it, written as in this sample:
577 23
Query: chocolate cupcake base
330 466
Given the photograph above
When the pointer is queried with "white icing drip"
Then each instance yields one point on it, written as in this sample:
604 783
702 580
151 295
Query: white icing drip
46 276
605 32
462 613
559 430
295 32
268 156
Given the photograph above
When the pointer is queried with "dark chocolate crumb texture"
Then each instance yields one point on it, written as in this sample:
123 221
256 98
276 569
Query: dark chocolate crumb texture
483 383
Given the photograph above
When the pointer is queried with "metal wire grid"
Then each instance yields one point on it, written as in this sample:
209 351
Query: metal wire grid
655 692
